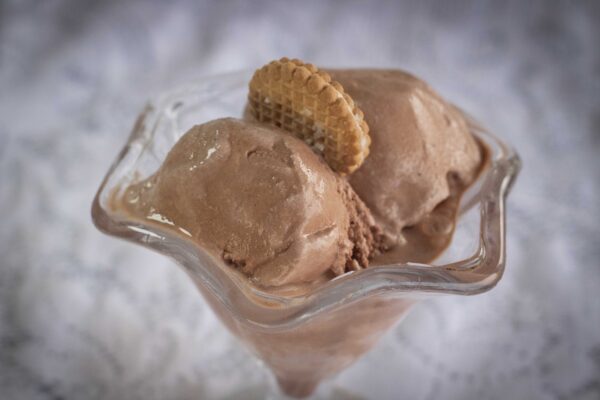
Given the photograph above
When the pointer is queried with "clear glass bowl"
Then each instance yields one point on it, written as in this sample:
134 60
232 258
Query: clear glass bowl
307 338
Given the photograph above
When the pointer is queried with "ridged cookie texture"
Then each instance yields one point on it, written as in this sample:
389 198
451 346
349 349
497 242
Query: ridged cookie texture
301 99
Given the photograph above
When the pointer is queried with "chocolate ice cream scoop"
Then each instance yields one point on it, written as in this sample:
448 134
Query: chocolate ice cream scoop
421 147
260 199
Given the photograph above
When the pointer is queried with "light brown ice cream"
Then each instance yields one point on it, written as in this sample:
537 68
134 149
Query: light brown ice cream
421 152
270 207
260 199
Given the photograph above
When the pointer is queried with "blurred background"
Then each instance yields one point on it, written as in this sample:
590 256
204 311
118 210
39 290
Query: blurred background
85 316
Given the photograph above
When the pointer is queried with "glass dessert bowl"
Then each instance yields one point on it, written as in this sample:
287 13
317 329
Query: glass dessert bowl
306 338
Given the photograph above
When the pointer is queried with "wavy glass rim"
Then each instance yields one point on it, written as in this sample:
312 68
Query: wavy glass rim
248 303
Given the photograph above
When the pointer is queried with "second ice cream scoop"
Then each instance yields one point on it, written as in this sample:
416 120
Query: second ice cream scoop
421 147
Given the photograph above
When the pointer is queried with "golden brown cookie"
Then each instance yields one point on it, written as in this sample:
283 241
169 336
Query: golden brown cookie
306 102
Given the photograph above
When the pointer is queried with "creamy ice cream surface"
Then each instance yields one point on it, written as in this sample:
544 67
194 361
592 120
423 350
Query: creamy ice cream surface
421 148
270 207
260 199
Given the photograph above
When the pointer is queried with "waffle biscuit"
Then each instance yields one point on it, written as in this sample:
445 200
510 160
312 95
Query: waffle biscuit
305 101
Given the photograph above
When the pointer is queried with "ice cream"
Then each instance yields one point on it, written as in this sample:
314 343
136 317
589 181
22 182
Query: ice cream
261 200
269 205
422 152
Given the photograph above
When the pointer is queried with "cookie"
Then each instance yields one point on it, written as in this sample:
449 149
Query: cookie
306 102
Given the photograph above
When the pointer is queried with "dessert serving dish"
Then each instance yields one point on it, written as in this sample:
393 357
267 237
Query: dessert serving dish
309 337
